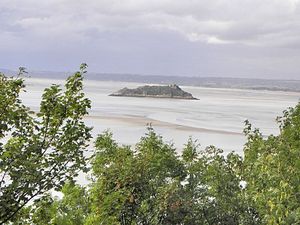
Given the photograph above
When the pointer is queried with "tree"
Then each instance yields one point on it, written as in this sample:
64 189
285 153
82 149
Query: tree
272 170
128 184
147 184
39 152
153 185
72 209
213 192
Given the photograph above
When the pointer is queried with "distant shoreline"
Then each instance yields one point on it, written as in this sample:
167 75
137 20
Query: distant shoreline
206 82
47 80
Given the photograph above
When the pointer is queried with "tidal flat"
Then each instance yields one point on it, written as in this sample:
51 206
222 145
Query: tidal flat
216 119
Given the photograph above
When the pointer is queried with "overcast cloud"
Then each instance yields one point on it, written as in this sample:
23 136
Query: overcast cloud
232 38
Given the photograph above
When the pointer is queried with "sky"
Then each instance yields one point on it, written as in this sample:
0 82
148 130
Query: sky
208 38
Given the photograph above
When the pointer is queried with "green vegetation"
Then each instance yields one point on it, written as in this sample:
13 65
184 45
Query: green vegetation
271 169
43 150
146 184
170 91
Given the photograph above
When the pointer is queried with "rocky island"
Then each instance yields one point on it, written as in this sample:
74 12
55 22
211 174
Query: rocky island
170 91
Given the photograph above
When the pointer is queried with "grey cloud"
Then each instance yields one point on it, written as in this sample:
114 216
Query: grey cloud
241 21
241 37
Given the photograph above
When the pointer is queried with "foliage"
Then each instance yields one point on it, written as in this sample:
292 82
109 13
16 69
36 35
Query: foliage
272 170
141 185
214 188
153 185
39 152
128 182
72 209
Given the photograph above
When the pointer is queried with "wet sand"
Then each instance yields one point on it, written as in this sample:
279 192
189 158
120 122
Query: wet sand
216 119
144 121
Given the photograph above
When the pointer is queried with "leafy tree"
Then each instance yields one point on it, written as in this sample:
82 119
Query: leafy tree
152 185
272 170
39 152
213 190
147 184
128 183
72 209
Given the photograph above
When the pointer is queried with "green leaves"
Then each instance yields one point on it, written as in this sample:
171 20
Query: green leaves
145 184
72 209
271 170
153 185
43 150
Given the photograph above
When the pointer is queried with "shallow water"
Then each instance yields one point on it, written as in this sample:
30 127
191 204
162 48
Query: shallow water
216 119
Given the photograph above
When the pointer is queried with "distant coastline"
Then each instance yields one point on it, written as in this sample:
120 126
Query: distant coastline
209 82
